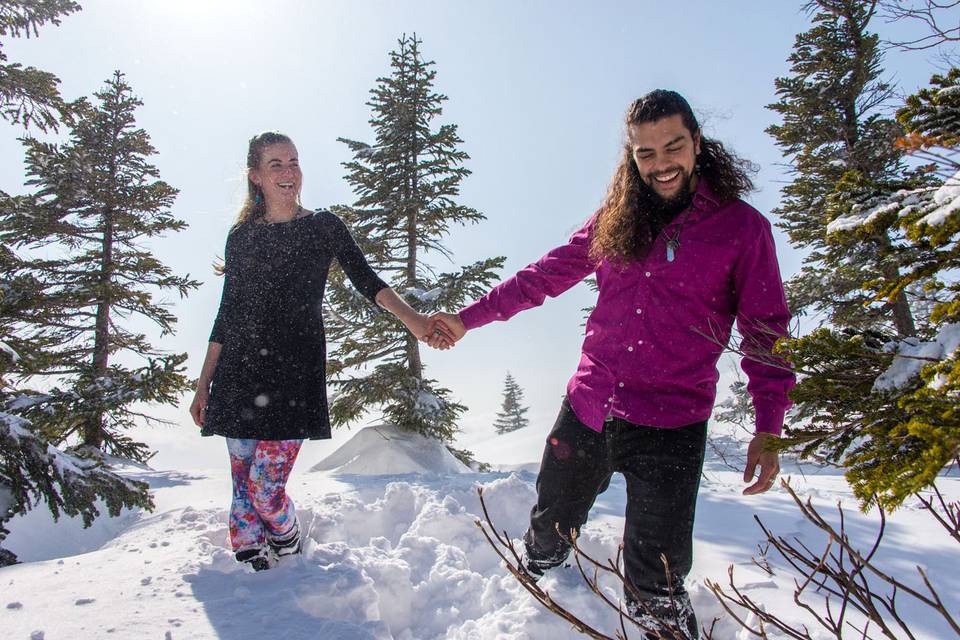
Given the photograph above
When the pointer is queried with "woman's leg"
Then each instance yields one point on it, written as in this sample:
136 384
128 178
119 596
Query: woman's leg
246 529
272 462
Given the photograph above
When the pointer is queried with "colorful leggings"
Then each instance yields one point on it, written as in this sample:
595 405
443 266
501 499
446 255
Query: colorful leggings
261 507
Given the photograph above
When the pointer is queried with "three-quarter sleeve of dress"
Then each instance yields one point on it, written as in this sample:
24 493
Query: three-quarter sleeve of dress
228 298
351 259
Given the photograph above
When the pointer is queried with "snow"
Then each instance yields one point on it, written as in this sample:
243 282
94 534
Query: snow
425 296
398 556
912 355
947 198
9 351
384 449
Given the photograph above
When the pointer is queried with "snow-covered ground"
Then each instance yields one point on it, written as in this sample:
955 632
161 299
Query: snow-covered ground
400 556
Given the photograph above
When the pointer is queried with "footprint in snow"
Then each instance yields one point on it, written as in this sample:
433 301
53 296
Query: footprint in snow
15 605
82 601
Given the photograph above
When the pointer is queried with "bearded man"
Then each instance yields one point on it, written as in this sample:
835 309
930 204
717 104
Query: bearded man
678 256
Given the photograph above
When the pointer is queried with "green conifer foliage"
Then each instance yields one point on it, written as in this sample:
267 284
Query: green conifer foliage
406 184
97 200
886 409
839 141
512 412
77 482
29 96
72 482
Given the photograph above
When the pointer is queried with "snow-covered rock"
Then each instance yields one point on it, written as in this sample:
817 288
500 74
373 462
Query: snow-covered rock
387 450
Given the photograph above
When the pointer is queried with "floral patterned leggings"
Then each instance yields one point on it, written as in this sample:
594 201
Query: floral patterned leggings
261 507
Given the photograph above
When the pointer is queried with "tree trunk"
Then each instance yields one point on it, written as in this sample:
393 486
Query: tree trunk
413 346
93 429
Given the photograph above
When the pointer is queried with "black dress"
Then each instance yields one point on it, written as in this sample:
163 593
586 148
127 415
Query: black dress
270 380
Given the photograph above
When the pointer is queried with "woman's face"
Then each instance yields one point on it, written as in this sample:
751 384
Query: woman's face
279 175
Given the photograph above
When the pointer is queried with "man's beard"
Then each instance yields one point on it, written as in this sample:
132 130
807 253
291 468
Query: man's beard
661 211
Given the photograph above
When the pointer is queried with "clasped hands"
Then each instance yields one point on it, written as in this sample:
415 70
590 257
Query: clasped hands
440 330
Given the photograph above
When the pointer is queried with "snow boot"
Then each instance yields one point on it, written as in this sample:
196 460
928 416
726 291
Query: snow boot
536 567
288 544
665 617
258 558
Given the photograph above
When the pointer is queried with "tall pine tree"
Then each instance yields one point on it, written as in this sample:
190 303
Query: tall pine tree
840 142
882 263
31 470
512 412
97 200
406 184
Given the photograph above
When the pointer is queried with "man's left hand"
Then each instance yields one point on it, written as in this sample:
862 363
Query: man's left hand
768 461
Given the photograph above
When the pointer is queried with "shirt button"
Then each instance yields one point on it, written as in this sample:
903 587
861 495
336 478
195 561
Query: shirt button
647 274
620 385
639 311
639 341
630 348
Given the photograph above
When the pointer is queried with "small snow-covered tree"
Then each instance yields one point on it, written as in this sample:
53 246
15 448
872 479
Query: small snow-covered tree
97 200
406 184
512 412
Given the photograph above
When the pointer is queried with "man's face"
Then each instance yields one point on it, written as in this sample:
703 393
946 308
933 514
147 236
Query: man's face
665 154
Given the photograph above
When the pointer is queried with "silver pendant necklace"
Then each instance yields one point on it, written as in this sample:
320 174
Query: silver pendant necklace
673 242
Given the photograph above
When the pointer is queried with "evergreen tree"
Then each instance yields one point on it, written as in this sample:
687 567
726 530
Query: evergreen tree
31 469
406 184
29 95
511 416
842 147
97 201
877 389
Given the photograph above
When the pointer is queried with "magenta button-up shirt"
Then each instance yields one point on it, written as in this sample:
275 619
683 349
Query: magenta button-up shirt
645 357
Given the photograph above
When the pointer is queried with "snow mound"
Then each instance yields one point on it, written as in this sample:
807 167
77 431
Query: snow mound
387 450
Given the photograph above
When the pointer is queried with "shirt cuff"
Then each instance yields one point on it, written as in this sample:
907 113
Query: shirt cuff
770 419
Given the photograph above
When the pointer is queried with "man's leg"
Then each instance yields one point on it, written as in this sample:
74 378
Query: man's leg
574 470
662 468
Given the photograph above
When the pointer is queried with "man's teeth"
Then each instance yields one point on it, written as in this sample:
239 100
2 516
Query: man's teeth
666 178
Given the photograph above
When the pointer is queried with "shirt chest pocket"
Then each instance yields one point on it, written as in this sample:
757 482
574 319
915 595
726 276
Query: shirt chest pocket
701 272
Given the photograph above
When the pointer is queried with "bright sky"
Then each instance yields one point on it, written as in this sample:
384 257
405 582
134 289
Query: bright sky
538 89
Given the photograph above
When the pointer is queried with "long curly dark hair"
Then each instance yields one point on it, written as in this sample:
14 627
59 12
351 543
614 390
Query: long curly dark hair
630 217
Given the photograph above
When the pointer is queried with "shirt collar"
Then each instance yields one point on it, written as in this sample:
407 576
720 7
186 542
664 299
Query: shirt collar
704 198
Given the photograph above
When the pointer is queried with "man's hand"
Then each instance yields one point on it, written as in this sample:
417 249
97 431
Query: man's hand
769 462
426 329
445 328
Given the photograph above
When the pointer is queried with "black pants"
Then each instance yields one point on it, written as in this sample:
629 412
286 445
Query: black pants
662 469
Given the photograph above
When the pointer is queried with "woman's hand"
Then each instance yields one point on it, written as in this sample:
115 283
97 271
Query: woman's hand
198 408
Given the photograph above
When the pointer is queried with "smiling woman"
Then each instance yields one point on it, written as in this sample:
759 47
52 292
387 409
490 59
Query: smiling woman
263 382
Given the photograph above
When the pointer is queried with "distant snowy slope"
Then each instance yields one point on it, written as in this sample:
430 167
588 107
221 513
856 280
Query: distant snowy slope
386 450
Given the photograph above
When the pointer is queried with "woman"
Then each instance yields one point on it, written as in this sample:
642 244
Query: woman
262 385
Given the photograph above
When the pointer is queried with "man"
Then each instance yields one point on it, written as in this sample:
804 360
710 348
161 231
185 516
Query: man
678 256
